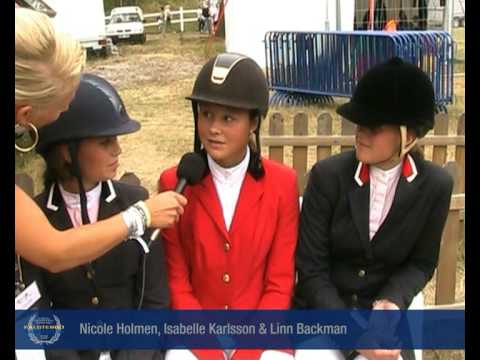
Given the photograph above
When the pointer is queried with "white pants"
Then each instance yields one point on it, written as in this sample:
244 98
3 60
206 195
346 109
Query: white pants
181 354
40 355
325 354
30 354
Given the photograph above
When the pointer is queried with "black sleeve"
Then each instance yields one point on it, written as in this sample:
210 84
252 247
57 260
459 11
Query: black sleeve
412 277
312 257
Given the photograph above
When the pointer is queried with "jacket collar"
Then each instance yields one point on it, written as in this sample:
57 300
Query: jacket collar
409 171
53 199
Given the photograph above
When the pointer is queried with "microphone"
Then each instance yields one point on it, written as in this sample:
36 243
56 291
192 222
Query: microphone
190 171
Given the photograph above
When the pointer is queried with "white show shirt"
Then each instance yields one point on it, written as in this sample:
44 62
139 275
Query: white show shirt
383 185
228 182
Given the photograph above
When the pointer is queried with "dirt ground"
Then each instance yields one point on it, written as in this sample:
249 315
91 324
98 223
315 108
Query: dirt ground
153 80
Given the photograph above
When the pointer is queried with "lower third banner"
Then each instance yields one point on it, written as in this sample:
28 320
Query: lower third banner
237 329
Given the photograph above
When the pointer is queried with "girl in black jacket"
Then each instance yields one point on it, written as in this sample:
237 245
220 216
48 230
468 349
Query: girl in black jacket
372 219
81 151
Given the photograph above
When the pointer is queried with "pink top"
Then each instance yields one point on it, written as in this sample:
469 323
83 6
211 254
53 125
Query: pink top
383 184
72 203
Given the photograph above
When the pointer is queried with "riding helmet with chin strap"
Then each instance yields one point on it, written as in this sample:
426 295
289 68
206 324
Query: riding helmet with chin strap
233 80
97 110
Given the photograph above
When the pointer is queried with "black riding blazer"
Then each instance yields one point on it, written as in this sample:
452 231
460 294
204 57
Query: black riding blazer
338 266
114 280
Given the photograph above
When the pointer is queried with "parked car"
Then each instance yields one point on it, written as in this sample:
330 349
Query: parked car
126 23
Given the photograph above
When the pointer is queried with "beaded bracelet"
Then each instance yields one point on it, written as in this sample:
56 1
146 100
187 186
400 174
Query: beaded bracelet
140 205
137 218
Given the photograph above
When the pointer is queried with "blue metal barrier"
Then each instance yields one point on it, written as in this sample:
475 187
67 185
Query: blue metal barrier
316 66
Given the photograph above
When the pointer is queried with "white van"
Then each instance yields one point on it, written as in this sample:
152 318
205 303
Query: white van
126 23
84 20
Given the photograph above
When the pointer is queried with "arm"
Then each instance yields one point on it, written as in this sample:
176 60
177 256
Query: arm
181 292
280 272
412 276
40 243
313 250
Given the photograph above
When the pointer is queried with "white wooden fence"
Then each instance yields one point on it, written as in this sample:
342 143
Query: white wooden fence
179 16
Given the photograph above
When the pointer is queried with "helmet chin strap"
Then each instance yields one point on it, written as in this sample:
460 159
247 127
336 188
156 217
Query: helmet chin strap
73 149
404 149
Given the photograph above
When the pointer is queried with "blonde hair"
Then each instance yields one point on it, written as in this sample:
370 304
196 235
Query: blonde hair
47 63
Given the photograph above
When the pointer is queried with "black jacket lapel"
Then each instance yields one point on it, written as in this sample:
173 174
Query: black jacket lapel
57 212
107 208
359 198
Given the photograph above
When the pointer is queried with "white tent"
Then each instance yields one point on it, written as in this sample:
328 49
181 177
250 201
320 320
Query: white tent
247 21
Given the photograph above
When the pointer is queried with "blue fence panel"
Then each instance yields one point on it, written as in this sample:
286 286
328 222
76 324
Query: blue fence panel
327 64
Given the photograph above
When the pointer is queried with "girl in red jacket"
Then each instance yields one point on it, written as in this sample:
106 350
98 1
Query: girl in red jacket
234 246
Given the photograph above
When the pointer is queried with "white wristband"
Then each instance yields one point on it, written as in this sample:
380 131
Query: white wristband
135 221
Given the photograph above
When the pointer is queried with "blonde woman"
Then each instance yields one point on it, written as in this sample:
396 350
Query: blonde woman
47 72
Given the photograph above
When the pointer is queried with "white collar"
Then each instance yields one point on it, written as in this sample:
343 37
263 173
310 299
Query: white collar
108 199
229 175
72 200
388 174
409 171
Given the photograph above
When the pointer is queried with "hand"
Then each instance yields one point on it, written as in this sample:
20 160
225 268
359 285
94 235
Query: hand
384 305
165 208
392 317
380 354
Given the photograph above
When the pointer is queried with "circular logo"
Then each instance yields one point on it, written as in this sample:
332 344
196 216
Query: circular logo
44 330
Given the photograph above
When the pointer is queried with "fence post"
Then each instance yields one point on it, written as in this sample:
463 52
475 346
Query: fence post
181 19
276 127
447 263
324 127
348 128
460 156
300 153
441 128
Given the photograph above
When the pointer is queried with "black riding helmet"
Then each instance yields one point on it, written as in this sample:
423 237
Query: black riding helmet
96 110
233 80
396 93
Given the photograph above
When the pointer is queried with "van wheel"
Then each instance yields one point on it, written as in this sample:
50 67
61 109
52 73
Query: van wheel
143 38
